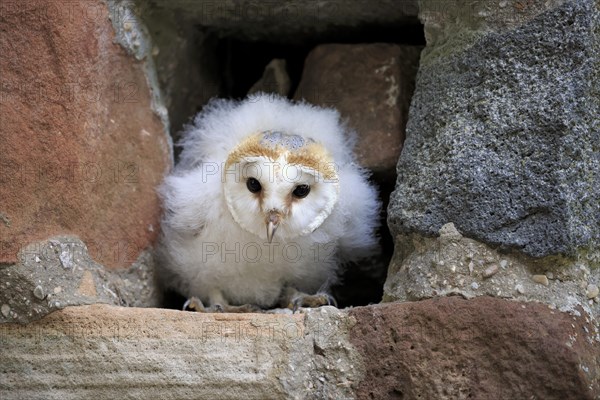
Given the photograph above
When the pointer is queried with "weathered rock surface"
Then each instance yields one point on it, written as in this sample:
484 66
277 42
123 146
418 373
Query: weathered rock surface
451 264
290 21
81 149
503 137
103 352
51 275
446 348
370 85
451 348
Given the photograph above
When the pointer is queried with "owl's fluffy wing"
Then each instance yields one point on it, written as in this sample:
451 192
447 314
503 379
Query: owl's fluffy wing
360 206
190 202
190 199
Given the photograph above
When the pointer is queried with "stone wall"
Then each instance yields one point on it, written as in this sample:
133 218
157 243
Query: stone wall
492 291
497 189
440 348
502 143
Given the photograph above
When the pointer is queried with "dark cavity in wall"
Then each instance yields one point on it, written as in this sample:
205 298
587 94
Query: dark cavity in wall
244 61
199 57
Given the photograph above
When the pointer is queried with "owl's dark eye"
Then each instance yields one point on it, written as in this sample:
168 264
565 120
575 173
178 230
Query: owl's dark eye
253 185
301 191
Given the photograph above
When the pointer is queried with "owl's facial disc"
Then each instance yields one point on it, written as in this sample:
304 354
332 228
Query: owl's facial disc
275 192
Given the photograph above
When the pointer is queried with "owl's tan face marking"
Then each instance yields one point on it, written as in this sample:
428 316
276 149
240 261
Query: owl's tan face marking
251 147
314 156
297 180
310 155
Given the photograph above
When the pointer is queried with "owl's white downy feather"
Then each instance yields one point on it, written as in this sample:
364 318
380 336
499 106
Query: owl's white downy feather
214 242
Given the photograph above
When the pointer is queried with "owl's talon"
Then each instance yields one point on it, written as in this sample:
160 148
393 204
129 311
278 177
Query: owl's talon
331 301
295 306
217 308
312 301
193 304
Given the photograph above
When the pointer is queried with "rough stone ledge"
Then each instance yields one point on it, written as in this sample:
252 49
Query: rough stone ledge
104 352
452 264
439 348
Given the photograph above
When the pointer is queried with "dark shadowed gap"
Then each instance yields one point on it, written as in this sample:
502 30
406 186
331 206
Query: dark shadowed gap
245 61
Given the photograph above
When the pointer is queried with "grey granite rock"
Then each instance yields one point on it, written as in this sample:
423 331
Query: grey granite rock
503 137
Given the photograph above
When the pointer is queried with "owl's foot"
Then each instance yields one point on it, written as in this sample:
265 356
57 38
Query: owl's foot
195 304
312 301
300 299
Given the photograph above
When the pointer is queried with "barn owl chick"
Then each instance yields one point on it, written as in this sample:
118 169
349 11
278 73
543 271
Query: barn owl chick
264 207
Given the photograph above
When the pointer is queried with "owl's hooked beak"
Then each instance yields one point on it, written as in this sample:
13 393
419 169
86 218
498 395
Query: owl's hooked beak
272 224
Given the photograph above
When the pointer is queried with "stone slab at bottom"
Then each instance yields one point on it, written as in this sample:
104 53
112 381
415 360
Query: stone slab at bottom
109 352
483 348
445 348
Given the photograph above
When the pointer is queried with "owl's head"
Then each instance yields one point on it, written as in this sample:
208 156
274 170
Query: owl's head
280 184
